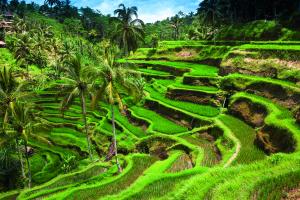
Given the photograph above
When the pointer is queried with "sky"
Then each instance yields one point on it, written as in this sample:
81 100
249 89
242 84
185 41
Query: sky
148 10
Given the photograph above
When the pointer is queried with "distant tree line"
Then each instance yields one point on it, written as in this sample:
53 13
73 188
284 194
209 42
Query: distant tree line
203 24
214 15
125 29
81 21
235 11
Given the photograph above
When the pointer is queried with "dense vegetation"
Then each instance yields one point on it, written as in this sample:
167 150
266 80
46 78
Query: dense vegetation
197 106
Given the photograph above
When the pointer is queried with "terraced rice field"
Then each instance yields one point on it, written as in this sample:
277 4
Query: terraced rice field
196 135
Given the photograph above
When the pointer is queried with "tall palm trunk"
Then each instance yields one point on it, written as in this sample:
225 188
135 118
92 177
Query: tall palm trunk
115 138
20 159
28 164
83 108
125 44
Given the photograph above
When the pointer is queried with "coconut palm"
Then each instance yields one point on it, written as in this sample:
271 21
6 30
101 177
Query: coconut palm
77 83
128 30
51 3
10 92
67 49
22 47
9 164
210 11
116 79
176 22
3 5
19 26
25 121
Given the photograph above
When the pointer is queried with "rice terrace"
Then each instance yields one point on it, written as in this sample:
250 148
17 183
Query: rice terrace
150 99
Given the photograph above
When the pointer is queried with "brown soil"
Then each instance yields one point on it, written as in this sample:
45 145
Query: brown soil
159 150
185 54
266 72
174 115
263 66
277 93
148 77
155 146
184 162
293 194
200 81
193 96
137 122
172 70
252 114
297 116
206 140
211 135
273 140
211 61
284 63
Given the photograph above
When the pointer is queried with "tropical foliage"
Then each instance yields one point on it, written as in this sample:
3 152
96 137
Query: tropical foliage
129 31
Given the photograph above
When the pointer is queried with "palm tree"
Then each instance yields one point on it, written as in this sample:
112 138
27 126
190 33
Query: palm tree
10 92
3 5
9 165
25 122
51 3
128 30
65 51
22 48
116 79
19 26
176 22
56 61
77 83
210 11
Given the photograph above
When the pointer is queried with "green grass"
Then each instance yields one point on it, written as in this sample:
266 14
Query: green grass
195 69
277 116
200 89
106 125
210 158
110 185
202 110
236 182
150 176
124 122
153 72
158 123
246 135
278 42
53 149
58 120
66 139
276 47
50 170
158 189
177 84
37 163
170 44
9 195
235 189
125 140
242 81
65 181
195 51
